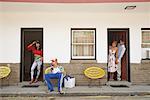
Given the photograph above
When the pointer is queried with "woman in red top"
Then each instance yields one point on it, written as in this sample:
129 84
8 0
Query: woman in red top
34 47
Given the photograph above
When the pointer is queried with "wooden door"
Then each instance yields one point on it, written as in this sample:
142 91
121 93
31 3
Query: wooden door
117 34
28 36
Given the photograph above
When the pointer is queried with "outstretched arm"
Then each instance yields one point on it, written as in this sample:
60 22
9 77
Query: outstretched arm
30 46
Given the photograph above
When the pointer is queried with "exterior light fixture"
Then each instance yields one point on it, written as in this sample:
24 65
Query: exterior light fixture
130 7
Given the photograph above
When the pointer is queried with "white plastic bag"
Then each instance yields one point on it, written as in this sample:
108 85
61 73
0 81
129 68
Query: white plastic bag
69 83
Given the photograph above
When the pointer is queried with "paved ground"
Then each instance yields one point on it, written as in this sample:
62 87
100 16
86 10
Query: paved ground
41 91
133 92
80 98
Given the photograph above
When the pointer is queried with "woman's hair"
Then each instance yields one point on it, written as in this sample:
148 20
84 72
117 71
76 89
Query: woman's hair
114 41
38 42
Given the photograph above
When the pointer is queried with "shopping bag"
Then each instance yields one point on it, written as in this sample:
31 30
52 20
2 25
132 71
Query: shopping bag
69 82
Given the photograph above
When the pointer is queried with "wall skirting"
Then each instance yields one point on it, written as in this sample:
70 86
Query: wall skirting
139 73
14 76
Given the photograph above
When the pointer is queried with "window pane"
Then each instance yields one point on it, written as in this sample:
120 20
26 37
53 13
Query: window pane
145 39
83 50
83 36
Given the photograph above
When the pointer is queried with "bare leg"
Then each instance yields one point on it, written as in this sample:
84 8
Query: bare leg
111 76
32 71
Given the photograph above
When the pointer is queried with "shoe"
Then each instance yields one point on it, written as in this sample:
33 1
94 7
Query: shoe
119 79
61 92
31 81
51 90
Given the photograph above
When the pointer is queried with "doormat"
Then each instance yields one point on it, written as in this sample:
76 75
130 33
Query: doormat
120 86
30 86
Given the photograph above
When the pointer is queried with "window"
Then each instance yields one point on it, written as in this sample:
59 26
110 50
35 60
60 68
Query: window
145 43
83 43
145 38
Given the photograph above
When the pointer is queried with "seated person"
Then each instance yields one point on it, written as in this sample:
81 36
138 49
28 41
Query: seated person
56 72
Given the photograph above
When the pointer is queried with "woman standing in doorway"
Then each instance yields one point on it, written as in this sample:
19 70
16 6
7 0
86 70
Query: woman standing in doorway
112 60
35 48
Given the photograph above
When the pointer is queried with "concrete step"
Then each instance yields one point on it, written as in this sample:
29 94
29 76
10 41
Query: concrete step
118 83
73 94
42 91
26 84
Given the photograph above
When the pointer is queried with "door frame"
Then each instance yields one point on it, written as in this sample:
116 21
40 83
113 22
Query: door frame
128 53
22 49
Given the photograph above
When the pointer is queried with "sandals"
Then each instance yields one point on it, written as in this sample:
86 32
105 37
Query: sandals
36 80
31 81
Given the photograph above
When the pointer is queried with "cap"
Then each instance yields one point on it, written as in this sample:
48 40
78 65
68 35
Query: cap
53 60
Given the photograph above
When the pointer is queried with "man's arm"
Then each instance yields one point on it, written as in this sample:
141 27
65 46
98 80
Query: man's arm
122 52
62 70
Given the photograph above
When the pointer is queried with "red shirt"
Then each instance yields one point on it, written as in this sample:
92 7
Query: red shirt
35 51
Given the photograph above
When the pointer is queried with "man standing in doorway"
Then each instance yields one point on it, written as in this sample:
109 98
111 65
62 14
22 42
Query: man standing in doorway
121 51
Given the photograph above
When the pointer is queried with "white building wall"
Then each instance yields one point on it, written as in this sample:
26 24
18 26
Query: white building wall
1 33
57 24
144 50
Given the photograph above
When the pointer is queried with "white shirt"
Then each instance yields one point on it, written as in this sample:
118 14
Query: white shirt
121 51
56 70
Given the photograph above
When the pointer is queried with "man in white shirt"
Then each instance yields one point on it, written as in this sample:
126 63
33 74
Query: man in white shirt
121 51
56 72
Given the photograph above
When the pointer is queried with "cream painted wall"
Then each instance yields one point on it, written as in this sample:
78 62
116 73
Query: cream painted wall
0 33
143 53
57 24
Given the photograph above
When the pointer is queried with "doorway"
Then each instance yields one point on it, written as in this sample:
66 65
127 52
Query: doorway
28 35
117 34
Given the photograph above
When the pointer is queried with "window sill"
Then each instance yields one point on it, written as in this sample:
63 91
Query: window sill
145 60
83 61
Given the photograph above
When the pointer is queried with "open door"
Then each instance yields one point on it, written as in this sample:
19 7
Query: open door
117 34
28 35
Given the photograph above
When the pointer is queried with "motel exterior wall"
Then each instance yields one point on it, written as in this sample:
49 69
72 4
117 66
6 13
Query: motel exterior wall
57 21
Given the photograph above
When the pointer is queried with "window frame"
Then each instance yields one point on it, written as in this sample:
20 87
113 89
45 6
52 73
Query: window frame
142 43
94 44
